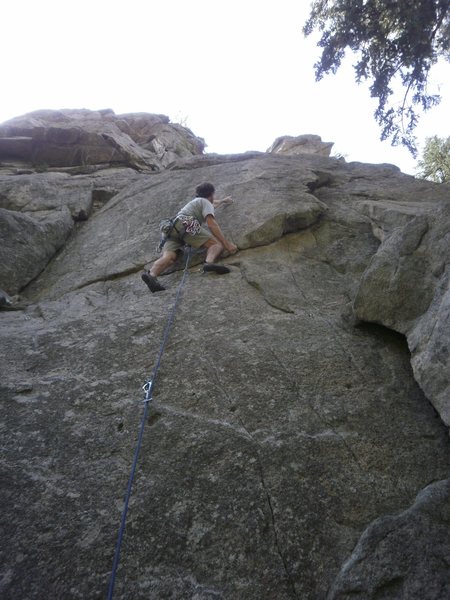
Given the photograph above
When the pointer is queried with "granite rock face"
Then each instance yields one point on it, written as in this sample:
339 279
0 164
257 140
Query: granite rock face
28 244
289 434
406 288
73 160
80 194
396 554
74 138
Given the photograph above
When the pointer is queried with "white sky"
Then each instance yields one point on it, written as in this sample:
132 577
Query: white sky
239 72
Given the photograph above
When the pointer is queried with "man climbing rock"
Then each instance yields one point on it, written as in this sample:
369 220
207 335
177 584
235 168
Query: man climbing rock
187 229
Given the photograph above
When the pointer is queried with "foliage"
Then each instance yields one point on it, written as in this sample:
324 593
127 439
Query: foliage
395 40
181 119
435 163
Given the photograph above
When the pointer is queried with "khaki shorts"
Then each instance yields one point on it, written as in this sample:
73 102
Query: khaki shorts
196 241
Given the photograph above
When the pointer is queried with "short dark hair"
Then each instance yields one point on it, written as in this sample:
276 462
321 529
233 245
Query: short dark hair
205 190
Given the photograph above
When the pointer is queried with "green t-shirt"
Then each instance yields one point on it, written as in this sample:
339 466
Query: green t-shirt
199 208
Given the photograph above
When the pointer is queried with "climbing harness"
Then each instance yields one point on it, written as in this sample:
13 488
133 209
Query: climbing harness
166 227
189 224
148 388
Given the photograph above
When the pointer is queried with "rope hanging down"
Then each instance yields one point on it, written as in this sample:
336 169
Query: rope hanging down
148 389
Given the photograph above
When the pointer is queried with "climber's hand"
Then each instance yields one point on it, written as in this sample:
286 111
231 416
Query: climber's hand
231 248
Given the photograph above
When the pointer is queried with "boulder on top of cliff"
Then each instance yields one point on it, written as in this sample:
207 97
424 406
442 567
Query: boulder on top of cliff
301 144
71 138
171 142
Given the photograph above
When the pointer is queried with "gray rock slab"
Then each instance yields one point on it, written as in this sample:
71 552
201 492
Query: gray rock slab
34 192
28 244
281 427
68 138
405 287
276 435
30 193
122 237
401 556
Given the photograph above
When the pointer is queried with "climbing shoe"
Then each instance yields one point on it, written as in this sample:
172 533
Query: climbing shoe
219 269
151 282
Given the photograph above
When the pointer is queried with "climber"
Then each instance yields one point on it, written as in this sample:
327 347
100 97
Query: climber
187 229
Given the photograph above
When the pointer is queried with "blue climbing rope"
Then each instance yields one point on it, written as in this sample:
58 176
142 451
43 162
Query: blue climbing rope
148 389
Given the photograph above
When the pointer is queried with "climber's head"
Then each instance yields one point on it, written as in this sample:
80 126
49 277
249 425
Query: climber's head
205 190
